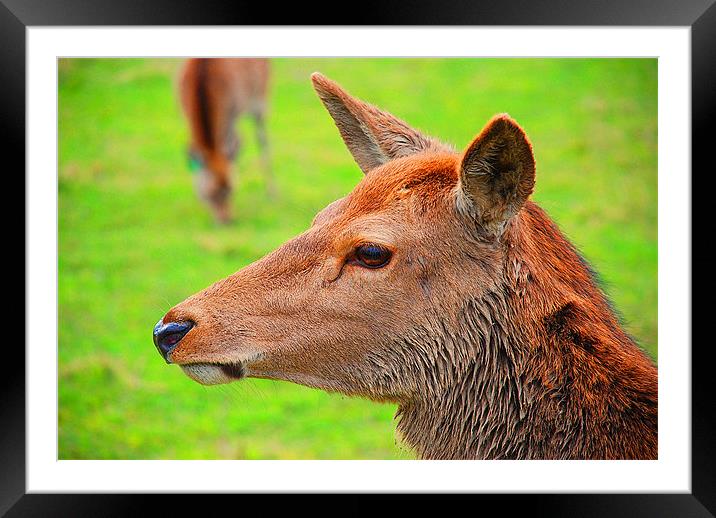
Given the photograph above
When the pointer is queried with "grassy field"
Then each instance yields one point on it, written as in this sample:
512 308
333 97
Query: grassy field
134 240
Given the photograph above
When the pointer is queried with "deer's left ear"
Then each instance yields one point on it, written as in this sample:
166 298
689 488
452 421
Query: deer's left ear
497 173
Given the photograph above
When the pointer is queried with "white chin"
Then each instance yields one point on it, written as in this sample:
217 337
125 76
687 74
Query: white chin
207 374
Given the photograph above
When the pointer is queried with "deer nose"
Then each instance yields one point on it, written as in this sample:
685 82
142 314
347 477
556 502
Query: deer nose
167 336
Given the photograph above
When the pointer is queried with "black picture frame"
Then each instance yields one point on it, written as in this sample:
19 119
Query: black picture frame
700 15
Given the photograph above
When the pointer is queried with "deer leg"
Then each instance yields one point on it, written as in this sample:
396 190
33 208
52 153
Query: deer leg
260 121
232 145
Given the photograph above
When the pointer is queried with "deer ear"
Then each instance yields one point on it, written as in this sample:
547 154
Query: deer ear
497 173
373 137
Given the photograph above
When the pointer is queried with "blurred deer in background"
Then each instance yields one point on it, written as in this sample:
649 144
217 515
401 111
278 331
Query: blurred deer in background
438 285
214 93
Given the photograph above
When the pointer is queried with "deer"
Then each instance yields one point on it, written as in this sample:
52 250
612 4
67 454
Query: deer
214 93
438 285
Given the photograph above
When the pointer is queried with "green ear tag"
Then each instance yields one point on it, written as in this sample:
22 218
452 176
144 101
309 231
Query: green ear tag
194 164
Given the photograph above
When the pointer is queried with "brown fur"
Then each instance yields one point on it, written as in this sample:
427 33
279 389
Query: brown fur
485 326
214 93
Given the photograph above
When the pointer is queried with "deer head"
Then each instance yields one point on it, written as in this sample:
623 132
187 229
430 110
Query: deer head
213 182
364 301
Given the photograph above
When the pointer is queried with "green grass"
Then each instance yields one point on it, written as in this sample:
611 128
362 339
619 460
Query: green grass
134 240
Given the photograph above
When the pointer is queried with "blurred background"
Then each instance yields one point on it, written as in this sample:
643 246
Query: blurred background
134 240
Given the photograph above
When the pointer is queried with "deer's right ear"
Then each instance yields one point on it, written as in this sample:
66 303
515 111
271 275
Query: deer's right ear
497 173
373 136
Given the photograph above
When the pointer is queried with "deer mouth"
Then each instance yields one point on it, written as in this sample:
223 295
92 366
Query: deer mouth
233 370
214 373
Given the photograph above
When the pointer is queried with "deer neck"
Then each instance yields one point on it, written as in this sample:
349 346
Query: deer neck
539 368
481 410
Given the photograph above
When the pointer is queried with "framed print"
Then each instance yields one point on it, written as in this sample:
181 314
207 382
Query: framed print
613 104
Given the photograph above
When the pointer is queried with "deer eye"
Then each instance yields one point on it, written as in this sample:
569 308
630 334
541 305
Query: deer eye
372 256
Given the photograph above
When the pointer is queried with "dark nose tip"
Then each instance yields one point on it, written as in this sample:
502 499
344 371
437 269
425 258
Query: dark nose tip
167 336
